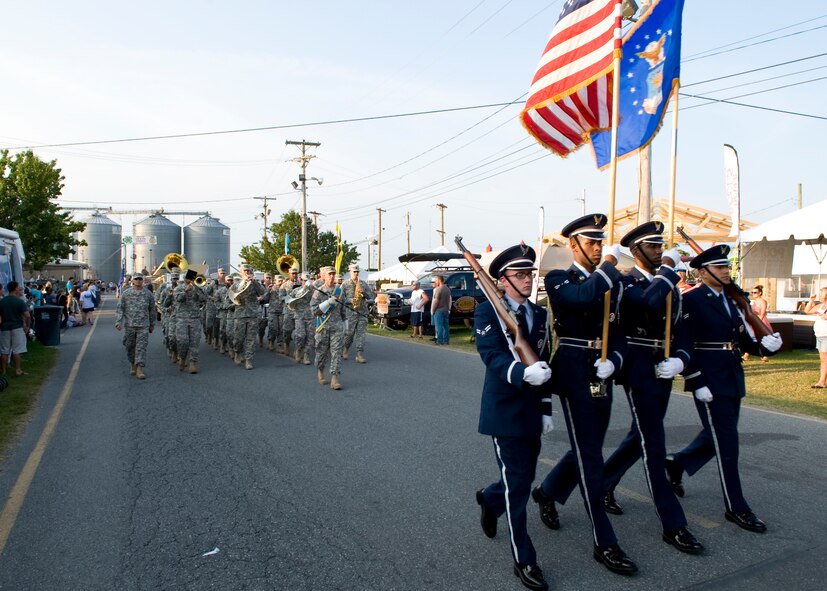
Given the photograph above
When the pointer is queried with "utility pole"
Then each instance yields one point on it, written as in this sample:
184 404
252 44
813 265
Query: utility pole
379 247
314 214
408 229
303 160
265 212
441 230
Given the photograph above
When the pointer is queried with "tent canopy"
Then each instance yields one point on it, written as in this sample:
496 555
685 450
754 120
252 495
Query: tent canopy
409 271
807 223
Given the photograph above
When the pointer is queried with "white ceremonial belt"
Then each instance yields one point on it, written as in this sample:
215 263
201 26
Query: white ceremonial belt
641 342
715 346
581 343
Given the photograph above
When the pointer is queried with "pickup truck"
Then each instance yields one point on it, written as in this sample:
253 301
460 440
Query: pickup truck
465 295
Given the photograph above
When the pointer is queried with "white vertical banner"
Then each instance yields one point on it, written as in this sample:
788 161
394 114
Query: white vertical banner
535 288
732 184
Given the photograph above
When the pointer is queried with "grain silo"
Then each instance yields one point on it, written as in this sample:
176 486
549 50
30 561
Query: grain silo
103 248
154 237
207 239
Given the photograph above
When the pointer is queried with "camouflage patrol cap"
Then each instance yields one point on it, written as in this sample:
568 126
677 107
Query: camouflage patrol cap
137 277
326 270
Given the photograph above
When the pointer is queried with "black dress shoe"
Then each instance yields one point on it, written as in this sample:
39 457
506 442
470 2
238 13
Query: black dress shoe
531 576
614 559
548 512
488 520
611 505
683 540
675 474
746 520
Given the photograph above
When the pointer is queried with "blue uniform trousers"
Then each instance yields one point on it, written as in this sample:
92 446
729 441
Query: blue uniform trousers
648 402
517 460
718 438
587 419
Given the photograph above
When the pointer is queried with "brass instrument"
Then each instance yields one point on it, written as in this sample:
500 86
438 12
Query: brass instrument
239 294
358 296
284 263
294 295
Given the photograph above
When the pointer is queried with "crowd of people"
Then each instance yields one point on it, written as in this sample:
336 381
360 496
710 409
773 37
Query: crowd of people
310 319
639 331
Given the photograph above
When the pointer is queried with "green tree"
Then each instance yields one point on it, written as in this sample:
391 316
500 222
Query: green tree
29 189
321 246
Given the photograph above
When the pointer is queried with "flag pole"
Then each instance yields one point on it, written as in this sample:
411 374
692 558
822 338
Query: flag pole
673 167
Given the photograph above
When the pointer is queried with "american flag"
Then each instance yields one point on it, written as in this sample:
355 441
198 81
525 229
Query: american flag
571 94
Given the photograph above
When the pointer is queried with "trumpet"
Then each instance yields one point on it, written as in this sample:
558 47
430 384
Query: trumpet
284 263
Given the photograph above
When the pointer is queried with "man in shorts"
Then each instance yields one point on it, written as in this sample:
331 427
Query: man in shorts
418 300
15 321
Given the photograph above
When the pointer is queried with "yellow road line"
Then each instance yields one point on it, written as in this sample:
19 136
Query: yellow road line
646 499
18 493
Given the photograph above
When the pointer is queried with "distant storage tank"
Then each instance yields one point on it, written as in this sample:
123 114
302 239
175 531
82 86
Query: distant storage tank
207 239
154 237
103 250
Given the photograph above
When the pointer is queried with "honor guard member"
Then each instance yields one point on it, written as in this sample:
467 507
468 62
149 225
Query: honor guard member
304 323
714 375
275 310
515 409
583 381
189 299
330 316
289 319
136 314
262 303
357 297
246 317
647 377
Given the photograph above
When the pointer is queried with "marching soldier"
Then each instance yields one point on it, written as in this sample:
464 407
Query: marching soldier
289 319
329 314
516 406
357 297
221 313
715 377
275 309
189 300
304 326
136 313
583 382
648 376
246 317
168 305
262 303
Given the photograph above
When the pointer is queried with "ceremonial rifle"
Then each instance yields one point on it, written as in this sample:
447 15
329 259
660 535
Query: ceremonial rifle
736 293
503 310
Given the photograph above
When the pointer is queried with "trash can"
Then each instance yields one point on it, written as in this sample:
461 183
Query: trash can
47 324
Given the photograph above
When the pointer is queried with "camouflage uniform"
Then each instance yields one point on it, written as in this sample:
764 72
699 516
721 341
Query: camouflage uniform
304 328
275 309
357 319
170 307
210 312
330 338
288 323
136 313
221 305
189 300
246 321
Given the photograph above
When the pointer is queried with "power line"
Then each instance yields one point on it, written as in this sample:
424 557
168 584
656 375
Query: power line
730 102
809 57
762 80
686 60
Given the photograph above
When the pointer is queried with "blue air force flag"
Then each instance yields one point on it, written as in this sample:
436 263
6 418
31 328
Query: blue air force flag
649 73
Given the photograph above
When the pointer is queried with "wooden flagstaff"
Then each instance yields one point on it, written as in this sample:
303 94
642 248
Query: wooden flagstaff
673 168
612 188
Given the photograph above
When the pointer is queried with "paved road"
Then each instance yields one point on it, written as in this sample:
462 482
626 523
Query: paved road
300 487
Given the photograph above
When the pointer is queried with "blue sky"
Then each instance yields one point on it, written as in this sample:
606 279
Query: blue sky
86 71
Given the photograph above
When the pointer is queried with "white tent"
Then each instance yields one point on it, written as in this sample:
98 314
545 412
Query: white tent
807 223
405 273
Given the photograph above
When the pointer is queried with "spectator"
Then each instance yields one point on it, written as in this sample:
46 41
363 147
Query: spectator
51 296
63 301
74 299
759 306
14 326
440 310
820 329
418 300
35 294
87 305
70 285
93 288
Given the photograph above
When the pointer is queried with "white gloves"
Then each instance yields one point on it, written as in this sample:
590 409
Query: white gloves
537 373
613 250
669 368
772 342
327 304
548 425
703 394
604 368
673 255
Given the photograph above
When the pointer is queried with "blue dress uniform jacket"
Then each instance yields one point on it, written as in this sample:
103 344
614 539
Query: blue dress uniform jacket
510 407
510 412
643 313
577 304
718 367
